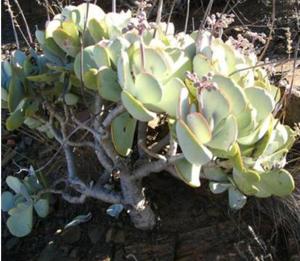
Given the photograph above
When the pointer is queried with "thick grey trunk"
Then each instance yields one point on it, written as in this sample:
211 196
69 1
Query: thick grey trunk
140 212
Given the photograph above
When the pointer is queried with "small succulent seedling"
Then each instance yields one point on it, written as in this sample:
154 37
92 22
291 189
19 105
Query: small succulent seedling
20 203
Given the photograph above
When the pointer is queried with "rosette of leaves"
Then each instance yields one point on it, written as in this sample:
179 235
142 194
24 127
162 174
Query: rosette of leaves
151 79
22 204
206 125
231 60
268 158
231 120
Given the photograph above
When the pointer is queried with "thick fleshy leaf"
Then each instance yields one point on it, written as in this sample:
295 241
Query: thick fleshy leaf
261 100
189 173
18 198
204 42
65 42
40 36
16 93
94 56
282 137
181 66
122 132
223 57
199 127
202 65
32 123
278 182
42 207
51 27
183 104
80 15
214 173
52 51
97 29
136 108
214 105
124 73
71 99
236 199
233 92
108 86
7 201
116 22
67 38
18 58
32 184
17 186
15 120
30 65
246 121
115 210
224 135
187 44
6 74
90 79
170 96
246 181
257 133
115 48
174 53
149 90
20 222
156 62
218 188
6 69
194 152
262 144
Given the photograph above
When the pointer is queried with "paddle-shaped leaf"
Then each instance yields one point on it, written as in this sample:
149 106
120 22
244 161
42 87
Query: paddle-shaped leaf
20 221
136 108
189 173
149 90
108 86
41 206
122 133
194 152
199 127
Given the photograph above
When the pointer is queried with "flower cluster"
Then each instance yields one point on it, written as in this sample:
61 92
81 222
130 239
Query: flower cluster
218 22
205 83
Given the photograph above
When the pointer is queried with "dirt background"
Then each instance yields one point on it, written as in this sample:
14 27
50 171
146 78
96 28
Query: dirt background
193 224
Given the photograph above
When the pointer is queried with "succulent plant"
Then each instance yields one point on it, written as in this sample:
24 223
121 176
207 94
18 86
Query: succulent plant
22 202
215 96
227 114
